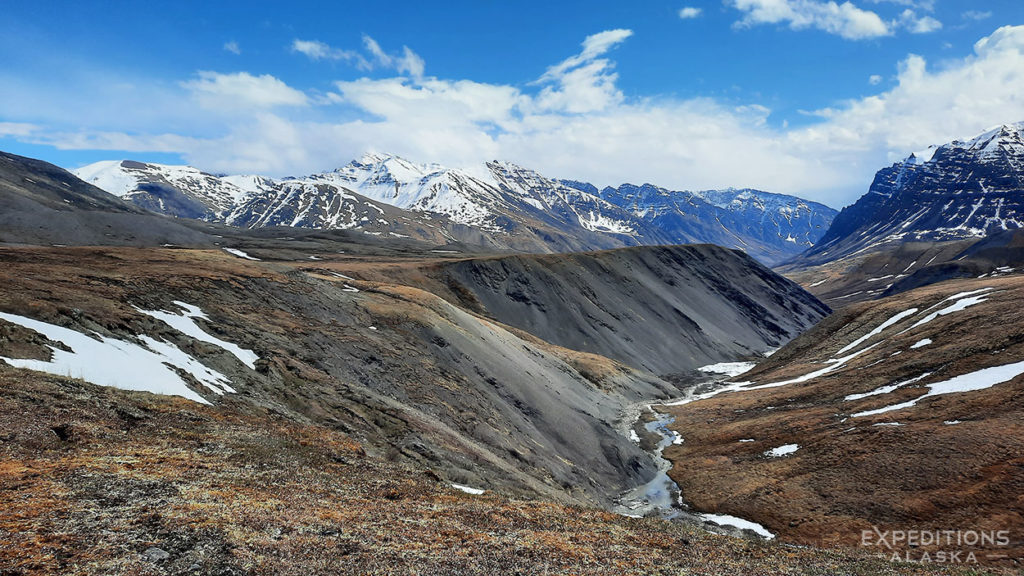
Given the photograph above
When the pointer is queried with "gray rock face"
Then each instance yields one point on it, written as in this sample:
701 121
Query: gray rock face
955 191
667 310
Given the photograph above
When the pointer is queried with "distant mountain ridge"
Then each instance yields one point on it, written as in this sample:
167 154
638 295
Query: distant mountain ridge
501 205
962 189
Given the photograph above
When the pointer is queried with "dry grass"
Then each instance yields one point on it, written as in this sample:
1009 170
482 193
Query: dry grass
850 475
90 478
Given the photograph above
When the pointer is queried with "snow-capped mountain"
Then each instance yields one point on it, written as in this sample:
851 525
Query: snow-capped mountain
181 191
769 226
499 205
963 189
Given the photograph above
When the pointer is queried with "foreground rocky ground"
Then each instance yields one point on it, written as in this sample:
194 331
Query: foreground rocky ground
102 481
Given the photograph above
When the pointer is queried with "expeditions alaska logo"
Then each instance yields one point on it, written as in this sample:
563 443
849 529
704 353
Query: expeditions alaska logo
940 546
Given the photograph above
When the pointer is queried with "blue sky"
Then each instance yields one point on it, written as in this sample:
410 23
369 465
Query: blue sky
799 96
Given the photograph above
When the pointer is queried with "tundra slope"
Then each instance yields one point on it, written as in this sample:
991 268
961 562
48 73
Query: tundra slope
101 481
43 204
900 414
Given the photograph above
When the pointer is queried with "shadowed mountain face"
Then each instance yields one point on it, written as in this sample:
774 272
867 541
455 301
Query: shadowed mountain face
500 206
948 212
667 310
955 191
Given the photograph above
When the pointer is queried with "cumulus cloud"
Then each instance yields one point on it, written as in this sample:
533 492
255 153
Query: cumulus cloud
689 12
931 106
232 47
584 82
917 24
242 90
845 20
575 123
875 80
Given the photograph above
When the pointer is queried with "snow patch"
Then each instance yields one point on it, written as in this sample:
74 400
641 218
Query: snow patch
886 389
117 363
185 323
730 369
239 253
783 450
978 380
964 300
877 330
468 490
921 343
726 520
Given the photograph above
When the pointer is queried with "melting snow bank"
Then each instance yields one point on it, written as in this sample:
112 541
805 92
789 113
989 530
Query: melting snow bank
186 324
833 364
887 389
468 490
964 300
878 330
979 380
726 520
783 450
730 369
111 362
240 254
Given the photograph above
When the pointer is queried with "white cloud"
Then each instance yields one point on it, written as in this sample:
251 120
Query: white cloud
689 12
17 129
573 123
930 106
406 62
976 15
926 5
917 24
376 51
875 80
242 90
317 50
584 82
845 20
593 46
232 47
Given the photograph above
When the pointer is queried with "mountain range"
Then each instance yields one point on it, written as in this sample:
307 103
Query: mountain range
498 205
